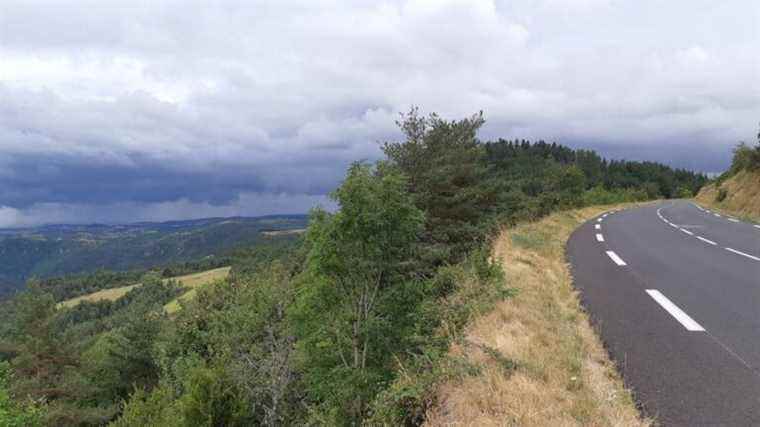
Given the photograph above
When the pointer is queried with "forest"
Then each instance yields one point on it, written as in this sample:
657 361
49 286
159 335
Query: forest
350 324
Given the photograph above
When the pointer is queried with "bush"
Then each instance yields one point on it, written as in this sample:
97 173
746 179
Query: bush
13 414
722 194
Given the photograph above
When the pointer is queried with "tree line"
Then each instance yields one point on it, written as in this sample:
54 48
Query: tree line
350 326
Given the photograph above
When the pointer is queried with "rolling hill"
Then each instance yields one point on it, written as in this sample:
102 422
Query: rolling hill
56 250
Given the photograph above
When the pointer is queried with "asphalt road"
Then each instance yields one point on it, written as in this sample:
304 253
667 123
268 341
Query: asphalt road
674 291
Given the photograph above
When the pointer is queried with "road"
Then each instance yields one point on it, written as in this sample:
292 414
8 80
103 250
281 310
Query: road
674 291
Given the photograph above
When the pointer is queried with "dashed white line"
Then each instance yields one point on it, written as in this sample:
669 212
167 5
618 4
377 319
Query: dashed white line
756 226
706 241
683 318
615 258
598 226
687 231
718 215
743 254
599 237
600 219
733 220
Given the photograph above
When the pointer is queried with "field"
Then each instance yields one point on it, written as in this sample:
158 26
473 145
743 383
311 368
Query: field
562 375
191 281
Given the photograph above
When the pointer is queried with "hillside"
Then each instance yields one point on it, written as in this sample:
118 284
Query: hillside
355 324
188 281
68 249
739 194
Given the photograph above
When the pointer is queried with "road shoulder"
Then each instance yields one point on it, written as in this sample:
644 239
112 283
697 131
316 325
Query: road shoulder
559 373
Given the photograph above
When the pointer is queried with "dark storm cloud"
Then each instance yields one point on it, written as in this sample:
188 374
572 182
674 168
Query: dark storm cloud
175 109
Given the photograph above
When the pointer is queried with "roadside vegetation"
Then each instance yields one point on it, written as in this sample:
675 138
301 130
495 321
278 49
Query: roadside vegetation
535 358
737 191
355 323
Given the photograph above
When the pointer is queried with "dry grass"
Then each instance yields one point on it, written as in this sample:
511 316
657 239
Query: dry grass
562 374
284 232
106 294
191 281
742 199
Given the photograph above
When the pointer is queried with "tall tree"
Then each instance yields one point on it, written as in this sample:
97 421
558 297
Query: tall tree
358 257
444 163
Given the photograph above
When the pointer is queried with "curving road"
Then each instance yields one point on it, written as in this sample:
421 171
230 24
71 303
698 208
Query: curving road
674 290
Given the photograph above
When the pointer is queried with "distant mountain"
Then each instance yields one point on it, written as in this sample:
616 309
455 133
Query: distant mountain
53 250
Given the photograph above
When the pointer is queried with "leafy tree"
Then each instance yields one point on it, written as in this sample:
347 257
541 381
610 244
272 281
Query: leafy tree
13 414
358 258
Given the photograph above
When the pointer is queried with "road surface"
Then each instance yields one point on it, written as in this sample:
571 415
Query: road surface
674 290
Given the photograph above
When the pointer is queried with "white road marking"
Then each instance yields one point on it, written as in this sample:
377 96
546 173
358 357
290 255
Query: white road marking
733 220
673 225
687 232
598 226
674 311
616 258
605 215
599 220
718 215
599 237
757 226
706 241
743 254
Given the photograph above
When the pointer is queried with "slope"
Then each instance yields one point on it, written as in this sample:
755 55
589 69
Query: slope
738 194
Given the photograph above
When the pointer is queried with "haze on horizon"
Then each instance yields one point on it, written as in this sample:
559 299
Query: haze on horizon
127 111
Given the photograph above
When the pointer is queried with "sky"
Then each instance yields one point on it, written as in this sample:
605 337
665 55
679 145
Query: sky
122 111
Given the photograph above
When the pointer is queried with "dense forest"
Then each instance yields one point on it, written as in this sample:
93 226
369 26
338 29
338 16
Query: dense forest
349 325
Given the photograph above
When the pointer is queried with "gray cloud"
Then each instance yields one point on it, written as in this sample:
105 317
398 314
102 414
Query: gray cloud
183 109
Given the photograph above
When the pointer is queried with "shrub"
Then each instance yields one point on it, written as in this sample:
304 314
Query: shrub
722 194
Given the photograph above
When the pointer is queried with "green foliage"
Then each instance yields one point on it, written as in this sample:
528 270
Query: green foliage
357 276
456 295
12 413
722 194
442 160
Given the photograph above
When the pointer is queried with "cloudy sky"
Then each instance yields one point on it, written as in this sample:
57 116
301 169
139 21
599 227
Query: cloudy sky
118 111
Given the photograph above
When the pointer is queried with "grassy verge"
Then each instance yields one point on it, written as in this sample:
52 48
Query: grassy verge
559 374
191 281
740 196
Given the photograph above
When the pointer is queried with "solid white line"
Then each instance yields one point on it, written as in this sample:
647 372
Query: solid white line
687 232
674 311
673 225
706 241
599 237
743 254
615 258
598 226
